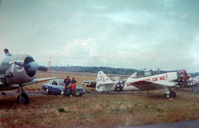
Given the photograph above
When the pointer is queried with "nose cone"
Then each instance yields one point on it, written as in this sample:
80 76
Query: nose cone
33 66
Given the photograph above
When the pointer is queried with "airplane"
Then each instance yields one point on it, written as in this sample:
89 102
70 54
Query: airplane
17 71
194 83
196 80
164 80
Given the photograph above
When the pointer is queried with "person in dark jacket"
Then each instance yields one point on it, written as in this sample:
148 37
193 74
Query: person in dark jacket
67 86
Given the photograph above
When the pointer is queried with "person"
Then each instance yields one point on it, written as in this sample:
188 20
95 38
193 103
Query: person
67 86
73 84
6 51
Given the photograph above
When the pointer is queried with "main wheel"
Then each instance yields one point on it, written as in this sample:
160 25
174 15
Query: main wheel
167 96
23 99
172 94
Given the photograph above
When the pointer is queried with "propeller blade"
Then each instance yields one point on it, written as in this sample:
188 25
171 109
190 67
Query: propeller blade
42 68
19 64
32 66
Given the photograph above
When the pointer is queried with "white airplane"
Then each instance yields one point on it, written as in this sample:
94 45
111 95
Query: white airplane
165 80
17 71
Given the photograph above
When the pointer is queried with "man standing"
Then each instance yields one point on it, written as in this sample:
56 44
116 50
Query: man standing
67 84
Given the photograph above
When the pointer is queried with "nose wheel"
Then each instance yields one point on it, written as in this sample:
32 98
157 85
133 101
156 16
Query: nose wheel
22 97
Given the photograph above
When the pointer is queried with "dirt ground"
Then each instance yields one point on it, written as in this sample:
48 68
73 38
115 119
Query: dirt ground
97 110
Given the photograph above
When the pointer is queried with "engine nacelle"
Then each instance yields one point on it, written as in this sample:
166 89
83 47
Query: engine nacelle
15 73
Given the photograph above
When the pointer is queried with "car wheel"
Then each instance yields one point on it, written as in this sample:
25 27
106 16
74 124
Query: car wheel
62 92
47 91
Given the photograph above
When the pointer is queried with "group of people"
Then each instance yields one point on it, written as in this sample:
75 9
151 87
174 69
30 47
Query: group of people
70 85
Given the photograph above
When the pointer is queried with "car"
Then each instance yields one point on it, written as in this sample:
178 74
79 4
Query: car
89 83
56 86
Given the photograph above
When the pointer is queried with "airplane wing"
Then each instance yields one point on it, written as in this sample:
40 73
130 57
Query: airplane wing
145 85
35 81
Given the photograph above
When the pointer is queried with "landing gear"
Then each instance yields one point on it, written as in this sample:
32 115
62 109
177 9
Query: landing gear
22 97
170 95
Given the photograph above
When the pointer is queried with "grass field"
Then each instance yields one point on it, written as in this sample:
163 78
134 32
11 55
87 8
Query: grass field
102 110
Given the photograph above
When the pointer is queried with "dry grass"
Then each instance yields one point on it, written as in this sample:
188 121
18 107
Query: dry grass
80 77
103 110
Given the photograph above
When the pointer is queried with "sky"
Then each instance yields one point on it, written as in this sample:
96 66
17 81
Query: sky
138 34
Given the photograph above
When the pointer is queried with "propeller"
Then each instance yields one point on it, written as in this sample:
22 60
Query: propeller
32 66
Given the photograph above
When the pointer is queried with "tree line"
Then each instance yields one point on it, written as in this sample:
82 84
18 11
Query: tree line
109 70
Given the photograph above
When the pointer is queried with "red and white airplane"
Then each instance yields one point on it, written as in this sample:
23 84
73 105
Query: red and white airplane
165 80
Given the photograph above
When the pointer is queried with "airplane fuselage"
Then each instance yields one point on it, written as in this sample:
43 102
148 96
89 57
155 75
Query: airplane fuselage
144 83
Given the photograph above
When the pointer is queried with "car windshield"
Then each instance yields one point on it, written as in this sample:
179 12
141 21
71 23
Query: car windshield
61 82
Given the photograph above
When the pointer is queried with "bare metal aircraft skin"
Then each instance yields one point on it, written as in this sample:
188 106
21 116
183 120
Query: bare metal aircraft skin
165 80
18 71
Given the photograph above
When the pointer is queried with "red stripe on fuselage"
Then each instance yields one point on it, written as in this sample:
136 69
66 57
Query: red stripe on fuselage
116 85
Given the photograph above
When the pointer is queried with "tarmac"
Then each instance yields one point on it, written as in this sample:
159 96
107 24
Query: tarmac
182 124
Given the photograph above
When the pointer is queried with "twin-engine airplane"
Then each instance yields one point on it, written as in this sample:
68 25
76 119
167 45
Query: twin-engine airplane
165 80
17 71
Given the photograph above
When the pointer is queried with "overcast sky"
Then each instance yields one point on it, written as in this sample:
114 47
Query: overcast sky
135 34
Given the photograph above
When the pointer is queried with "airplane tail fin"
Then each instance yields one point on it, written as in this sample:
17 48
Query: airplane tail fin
103 78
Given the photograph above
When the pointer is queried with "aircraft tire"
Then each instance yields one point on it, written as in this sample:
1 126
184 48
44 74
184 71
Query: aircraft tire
167 96
23 99
172 94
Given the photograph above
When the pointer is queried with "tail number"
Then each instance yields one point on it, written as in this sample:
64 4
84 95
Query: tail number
102 78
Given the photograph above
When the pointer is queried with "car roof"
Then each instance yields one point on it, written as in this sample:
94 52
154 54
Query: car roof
61 80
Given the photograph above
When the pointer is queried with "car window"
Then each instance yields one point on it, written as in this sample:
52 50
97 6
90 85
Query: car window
61 83
54 83
50 82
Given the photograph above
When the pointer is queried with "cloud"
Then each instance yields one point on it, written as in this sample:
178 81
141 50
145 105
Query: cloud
194 51
76 46
185 16
130 17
